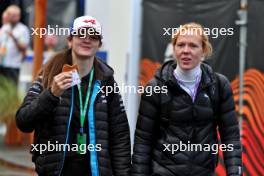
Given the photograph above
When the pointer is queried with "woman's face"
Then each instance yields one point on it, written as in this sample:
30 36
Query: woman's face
188 50
85 46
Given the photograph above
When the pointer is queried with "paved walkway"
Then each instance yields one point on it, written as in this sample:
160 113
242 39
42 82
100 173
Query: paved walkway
15 161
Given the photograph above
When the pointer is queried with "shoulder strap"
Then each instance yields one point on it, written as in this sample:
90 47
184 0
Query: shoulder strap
165 100
215 94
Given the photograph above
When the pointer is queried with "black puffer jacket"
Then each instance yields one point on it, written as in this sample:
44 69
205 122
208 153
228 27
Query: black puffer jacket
49 117
160 131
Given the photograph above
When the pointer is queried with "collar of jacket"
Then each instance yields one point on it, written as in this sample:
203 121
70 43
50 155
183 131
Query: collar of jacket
165 75
103 71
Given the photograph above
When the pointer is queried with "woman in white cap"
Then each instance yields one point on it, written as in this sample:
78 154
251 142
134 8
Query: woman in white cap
89 130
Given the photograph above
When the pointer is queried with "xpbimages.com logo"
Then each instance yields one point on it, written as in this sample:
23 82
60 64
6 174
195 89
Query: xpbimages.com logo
147 90
49 147
213 148
213 32
60 31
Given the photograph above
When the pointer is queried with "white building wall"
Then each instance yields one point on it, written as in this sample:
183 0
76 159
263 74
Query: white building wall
121 20
114 17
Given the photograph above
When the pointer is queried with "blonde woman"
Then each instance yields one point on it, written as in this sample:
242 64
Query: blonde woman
176 132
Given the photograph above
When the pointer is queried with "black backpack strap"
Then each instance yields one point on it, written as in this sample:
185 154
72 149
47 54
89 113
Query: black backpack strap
215 94
165 100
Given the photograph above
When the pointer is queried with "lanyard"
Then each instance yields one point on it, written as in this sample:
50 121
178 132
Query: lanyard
84 109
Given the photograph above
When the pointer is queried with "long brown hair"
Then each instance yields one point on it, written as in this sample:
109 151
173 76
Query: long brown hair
54 66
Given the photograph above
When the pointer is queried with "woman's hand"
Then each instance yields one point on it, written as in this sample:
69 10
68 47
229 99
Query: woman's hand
60 83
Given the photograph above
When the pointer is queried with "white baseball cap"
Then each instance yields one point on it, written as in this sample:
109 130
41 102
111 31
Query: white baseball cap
87 22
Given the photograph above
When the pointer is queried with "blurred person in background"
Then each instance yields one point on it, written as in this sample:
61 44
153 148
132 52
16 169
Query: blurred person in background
62 113
199 102
50 43
14 40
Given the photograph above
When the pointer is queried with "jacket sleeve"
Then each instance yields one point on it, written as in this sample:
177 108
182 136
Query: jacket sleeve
144 134
229 130
38 104
120 145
